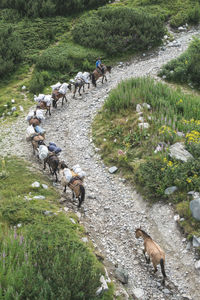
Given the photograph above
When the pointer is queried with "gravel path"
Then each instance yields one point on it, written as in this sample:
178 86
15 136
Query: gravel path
112 209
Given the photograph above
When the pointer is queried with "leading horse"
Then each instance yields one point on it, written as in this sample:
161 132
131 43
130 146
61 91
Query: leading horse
156 254
97 74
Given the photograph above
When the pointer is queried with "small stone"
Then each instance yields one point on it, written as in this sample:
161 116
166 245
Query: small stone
103 283
47 213
73 221
170 190
19 225
196 241
112 170
13 108
99 291
176 218
35 184
138 293
85 239
13 101
66 209
78 214
197 265
39 197
21 108
45 186
166 291
23 87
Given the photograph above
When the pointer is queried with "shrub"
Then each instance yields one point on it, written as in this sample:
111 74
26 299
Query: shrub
11 51
119 29
44 8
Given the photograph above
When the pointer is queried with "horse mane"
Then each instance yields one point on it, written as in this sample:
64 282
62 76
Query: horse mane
146 234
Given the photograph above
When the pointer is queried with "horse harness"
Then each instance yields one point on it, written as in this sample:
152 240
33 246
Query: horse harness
75 183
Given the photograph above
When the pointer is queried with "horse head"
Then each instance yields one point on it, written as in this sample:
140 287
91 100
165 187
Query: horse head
109 68
62 165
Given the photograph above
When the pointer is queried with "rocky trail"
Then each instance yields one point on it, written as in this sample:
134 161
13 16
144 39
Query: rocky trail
112 209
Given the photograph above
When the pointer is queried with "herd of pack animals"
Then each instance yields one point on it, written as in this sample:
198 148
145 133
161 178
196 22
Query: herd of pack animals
155 253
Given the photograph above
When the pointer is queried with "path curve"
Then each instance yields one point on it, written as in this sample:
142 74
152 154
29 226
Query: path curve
112 209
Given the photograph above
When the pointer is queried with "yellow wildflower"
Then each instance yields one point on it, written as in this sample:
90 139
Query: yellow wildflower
188 180
170 163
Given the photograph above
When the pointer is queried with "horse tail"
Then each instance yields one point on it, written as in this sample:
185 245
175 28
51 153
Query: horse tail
162 267
93 80
82 192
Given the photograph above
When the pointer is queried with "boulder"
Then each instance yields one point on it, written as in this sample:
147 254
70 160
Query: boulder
121 275
196 241
178 151
195 208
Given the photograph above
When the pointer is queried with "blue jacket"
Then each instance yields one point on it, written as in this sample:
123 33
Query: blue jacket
98 63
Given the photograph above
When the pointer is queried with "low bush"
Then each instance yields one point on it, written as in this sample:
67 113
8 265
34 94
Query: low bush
186 68
117 30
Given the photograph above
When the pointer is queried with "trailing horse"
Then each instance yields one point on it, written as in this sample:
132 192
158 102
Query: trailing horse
156 254
53 162
97 74
36 141
75 184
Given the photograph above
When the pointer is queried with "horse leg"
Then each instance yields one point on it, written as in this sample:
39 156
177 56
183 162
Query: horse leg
105 78
49 109
79 90
63 100
56 175
88 85
65 188
75 88
146 258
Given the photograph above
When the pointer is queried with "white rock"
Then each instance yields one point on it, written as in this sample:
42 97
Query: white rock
23 87
73 221
35 184
103 283
197 265
45 186
13 101
21 108
138 293
39 197
146 105
176 218
138 108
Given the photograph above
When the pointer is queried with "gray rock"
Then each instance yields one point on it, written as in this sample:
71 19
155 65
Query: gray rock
48 213
138 108
178 151
73 221
181 28
138 294
103 283
195 208
121 275
99 291
13 108
166 291
85 239
35 184
146 105
112 170
170 190
196 241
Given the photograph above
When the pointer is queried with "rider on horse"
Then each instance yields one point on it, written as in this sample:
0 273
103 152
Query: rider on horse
99 66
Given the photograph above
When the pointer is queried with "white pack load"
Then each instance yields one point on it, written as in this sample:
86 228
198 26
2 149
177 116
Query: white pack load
30 115
47 99
29 132
78 76
43 152
86 76
39 98
77 169
63 88
72 81
68 174
56 86
39 114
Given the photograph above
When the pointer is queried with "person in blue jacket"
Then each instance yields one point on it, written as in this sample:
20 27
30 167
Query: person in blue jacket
99 65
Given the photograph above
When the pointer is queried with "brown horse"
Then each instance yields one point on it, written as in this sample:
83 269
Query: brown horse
43 105
156 254
56 95
36 141
75 184
97 74
34 121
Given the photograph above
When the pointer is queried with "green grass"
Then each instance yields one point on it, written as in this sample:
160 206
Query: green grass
131 149
42 256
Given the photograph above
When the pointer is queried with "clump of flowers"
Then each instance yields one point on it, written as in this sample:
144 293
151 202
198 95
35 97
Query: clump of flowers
193 137
179 102
191 124
167 133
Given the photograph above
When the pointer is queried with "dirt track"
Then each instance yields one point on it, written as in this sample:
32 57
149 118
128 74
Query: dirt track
112 209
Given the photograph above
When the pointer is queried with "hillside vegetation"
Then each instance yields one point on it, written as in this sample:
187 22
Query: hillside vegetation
186 68
174 117
42 255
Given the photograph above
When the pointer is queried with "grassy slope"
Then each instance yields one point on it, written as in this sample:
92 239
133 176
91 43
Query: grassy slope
116 133
18 208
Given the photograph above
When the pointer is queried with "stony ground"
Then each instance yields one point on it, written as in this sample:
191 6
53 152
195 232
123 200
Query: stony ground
112 209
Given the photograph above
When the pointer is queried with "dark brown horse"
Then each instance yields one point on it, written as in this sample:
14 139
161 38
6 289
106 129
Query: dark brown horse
156 254
53 161
97 74
43 105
